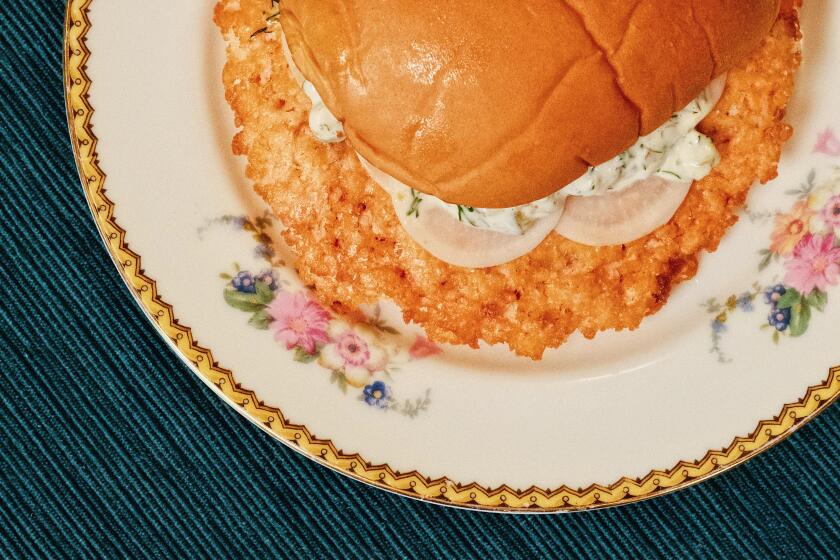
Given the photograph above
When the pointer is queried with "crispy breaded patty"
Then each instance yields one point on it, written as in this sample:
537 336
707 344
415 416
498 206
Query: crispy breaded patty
352 249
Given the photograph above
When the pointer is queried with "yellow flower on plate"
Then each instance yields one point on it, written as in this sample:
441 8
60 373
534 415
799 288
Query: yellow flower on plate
790 229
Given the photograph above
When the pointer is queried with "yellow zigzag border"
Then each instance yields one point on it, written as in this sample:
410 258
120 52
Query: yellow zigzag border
412 484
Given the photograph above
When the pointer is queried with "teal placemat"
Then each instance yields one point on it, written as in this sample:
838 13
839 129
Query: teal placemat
93 463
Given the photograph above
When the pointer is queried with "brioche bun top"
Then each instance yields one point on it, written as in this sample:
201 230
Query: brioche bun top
498 103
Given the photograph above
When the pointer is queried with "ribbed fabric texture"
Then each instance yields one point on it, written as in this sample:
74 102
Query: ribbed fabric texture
93 463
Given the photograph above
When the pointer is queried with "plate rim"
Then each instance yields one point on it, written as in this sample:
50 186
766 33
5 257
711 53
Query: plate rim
442 490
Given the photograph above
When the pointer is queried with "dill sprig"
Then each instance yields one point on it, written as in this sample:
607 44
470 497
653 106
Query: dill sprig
414 209
268 20
671 173
462 210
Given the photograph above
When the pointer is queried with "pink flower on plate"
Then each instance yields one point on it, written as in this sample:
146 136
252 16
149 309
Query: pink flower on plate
299 321
423 348
354 354
827 143
815 264
831 214
822 202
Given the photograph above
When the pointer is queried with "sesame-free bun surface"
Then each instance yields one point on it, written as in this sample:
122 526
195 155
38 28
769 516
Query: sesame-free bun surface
499 103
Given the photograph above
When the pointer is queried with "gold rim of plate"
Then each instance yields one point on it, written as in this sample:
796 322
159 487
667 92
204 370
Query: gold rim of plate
411 484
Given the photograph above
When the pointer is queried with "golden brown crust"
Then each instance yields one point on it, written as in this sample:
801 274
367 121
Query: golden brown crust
496 104
352 249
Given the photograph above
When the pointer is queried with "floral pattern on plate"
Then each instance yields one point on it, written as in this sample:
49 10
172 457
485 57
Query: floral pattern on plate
805 250
362 353
828 143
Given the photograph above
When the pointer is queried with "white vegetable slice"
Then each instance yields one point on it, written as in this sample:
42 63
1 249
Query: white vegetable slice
624 216
297 75
716 88
455 243
452 241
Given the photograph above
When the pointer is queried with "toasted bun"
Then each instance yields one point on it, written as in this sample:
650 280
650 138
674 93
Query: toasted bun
496 104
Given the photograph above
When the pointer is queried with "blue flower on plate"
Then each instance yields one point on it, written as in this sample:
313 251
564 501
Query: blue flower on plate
774 294
745 302
779 319
377 394
268 278
244 282
718 326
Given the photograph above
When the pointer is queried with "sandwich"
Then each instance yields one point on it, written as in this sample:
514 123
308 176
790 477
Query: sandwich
508 171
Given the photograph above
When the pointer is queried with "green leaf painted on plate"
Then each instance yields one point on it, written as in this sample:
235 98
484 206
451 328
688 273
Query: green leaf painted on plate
818 300
260 320
339 379
800 317
265 294
304 357
243 302
766 259
790 299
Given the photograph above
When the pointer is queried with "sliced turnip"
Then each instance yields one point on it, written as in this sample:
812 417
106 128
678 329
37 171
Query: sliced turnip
461 245
621 217
453 241
716 88
297 75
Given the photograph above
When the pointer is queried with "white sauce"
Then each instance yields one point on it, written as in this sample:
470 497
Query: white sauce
322 122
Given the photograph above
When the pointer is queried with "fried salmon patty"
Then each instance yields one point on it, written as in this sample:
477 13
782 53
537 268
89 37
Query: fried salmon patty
352 250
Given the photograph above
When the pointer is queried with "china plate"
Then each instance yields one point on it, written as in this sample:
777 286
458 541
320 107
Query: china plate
702 386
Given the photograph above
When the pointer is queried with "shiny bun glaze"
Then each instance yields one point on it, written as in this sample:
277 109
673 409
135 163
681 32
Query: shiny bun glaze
497 104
